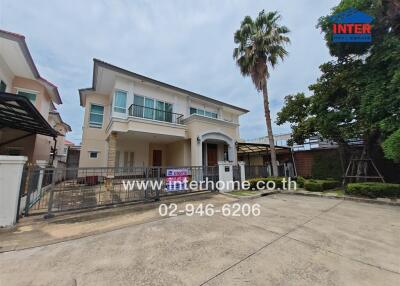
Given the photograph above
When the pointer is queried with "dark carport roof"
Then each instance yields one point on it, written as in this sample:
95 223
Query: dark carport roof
17 112
249 148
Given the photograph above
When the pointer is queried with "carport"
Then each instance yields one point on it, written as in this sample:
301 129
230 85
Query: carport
19 119
257 155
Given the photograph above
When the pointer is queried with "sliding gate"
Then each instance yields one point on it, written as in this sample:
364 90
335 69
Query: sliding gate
49 190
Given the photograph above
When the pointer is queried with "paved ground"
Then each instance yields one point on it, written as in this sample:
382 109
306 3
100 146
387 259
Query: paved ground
296 241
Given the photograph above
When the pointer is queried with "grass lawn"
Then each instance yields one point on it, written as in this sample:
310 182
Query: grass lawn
244 193
339 192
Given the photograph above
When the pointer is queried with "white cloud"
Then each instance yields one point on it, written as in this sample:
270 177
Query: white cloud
185 43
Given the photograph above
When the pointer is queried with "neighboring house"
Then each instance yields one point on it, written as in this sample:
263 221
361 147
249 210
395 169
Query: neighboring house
62 128
73 160
67 146
19 75
314 142
279 139
133 120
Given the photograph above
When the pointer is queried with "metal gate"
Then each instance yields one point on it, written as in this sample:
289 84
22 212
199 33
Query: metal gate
50 190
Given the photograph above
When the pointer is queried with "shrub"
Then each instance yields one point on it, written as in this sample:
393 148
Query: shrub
277 180
320 185
330 184
373 190
313 186
300 182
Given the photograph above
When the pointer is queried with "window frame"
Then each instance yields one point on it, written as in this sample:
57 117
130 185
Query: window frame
30 91
95 124
154 108
3 84
203 112
93 152
120 109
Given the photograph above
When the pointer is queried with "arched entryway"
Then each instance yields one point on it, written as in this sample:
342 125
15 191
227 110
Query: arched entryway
214 147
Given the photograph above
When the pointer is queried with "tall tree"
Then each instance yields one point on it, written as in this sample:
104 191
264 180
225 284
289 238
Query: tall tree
358 94
260 44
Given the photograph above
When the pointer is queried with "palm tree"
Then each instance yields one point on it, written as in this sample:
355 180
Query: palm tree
260 44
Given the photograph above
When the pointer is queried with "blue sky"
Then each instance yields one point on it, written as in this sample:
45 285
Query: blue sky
184 43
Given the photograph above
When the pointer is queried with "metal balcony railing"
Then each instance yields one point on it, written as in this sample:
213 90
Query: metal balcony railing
155 114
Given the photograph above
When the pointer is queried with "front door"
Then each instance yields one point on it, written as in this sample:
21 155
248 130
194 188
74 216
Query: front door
157 158
212 154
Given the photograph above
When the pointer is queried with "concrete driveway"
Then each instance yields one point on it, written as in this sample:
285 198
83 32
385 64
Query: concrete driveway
295 241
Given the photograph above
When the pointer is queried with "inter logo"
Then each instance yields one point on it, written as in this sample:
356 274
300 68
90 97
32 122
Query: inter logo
351 25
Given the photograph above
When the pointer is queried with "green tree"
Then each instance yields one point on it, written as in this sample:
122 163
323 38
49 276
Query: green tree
260 44
358 94
391 146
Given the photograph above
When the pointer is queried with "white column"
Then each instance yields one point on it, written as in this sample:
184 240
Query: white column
225 171
242 171
42 164
11 168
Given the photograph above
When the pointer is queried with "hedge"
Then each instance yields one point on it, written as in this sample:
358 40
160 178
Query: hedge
313 186
373 190
320 185
300 182
277 180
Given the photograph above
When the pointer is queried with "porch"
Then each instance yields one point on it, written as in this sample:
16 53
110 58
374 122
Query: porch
139 149
142 149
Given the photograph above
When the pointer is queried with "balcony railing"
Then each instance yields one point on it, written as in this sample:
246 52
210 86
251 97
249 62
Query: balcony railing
155 114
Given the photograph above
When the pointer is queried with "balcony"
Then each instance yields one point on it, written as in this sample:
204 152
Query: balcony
155 114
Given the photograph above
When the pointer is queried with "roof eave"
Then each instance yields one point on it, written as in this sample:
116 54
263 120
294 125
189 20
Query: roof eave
20 39
81 95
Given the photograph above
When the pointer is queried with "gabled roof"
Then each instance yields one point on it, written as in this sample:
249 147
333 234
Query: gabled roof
20 39
99 63
351 15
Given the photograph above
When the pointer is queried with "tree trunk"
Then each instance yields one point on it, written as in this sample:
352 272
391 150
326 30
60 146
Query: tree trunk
269 131
360 164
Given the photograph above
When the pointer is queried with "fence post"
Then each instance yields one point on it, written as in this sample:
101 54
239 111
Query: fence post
28 193
158 180
242 173
225 171
11 168
50 202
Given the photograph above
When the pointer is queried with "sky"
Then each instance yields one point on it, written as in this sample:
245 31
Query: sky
184 43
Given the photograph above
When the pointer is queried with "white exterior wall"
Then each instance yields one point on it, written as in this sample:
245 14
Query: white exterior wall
5 74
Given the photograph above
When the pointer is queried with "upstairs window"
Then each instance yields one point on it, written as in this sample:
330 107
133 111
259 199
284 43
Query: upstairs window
120 101
3 86
211 114
96 116
29 95
150 108
203 113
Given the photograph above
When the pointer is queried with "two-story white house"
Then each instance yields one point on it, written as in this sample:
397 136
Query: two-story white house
133 120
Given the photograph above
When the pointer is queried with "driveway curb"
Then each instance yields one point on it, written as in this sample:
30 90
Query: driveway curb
346 198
